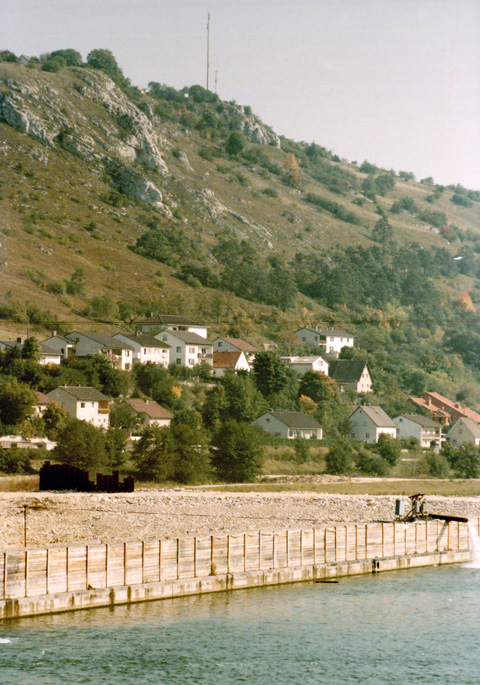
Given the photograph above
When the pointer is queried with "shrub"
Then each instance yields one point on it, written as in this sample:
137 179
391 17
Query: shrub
340 457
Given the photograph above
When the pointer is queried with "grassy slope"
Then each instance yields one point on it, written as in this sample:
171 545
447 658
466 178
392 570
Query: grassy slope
46 207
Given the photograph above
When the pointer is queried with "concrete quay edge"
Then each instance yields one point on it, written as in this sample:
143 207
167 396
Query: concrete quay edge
168 589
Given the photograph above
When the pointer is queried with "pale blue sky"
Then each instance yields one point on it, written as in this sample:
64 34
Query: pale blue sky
396 82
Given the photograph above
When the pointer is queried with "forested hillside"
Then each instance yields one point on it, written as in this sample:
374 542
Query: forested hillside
116 202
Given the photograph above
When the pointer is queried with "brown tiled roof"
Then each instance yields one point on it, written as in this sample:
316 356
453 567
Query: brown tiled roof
225 360
241 344
423 421
433 401
43 399
151 408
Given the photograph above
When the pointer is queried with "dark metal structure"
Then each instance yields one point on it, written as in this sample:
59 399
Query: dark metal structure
418 511
67 477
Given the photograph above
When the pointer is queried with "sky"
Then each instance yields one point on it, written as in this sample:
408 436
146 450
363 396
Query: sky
394 82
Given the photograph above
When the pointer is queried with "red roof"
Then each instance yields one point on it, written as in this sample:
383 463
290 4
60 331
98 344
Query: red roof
440 405
151 408
225 360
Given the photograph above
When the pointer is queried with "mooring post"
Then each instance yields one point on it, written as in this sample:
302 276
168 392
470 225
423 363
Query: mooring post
24 525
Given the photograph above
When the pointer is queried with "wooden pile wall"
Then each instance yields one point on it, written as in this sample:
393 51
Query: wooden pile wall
32 572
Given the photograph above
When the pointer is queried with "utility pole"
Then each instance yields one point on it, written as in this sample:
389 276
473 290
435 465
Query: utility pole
208 48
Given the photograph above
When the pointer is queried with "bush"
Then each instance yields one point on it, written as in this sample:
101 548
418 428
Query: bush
81 444
15 460
437 465
371 464
340 457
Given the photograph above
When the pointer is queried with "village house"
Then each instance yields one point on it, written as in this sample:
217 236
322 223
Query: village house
235 345
289 424
42 403
118 353
47 354
224 361
331 340
146 348
369 423
349 374
59 344
156 323
186 348
9 441
150 413
83 403
303 364
425 430
464 430
443 409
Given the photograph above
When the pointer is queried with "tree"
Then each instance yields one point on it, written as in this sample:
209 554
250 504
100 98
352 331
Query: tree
153 454
123 416
464 460
54 419
340 457
237 454
389 448
270 373
72 57
81 444
115 447
17 401
301 446
382 232
176 453
235 143
31 349
105 61
330 412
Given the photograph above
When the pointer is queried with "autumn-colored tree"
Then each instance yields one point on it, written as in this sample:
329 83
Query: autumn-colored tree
292 171
464 302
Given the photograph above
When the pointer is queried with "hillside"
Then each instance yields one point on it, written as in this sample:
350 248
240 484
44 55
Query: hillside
115 202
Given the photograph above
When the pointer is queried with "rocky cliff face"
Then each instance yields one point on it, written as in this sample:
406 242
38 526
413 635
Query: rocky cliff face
119 134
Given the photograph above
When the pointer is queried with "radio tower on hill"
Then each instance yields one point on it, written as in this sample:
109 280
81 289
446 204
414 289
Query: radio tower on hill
208 49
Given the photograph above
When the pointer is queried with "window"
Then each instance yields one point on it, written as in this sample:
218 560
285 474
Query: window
191 350
178 361
178 349
220 344
144 350
82 404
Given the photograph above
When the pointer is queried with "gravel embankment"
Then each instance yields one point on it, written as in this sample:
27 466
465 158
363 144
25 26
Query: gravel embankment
54 518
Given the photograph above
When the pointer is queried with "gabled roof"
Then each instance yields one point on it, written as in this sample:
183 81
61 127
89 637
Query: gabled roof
226 359
83 394
335 332
472 426
188 337
347 370
100 338
432 400
241 344
377 415
143 339
47 350
423 421
303 360
42 399
151 408
168 319
295 419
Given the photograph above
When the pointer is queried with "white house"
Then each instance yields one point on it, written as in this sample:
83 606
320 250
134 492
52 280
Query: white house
186 348
427 431
49 355
369 423
289 424
331 340
118 353
235 345
223 361
42 403
349 374
464 430
156 323
9 441
303 364
146 348
150 412
83 403
59 344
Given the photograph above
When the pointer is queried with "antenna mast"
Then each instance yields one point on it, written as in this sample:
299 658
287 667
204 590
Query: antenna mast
208 48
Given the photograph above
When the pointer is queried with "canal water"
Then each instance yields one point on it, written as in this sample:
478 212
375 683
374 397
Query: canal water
418 626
